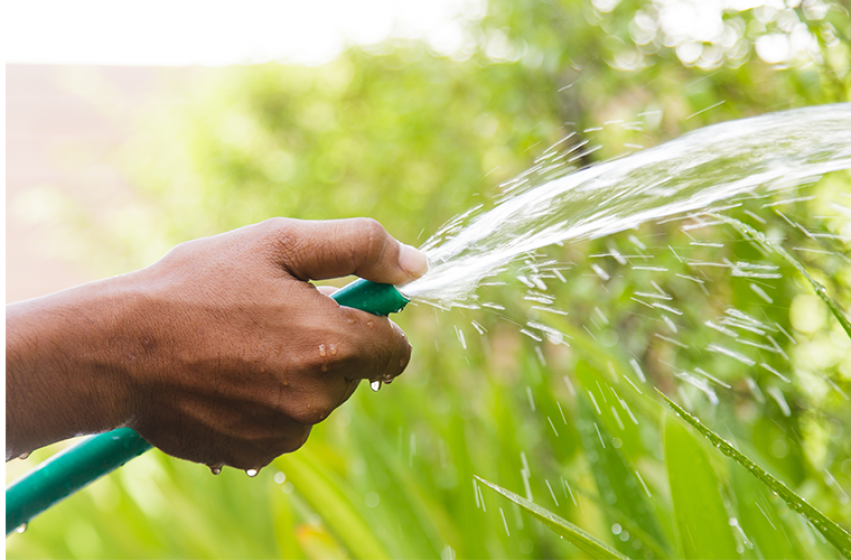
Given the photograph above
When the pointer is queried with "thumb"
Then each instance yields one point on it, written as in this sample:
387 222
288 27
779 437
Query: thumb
316 250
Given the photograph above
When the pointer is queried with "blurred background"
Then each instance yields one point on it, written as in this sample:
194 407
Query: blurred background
134 126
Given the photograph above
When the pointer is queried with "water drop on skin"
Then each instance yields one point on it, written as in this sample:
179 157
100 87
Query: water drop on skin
375 385
251 472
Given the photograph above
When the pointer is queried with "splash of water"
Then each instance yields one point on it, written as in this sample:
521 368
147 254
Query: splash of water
774 151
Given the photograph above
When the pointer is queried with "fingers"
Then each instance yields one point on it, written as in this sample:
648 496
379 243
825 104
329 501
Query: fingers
245 437
353 344
373 348
331 249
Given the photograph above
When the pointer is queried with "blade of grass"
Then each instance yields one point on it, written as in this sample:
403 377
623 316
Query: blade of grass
834 534
284 523
820 290
612 414
585 542
759 520
616 482
402 494
702 521
625 522
328 496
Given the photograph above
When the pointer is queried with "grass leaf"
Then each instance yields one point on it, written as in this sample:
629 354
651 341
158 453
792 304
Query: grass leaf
702 521
759 519
585 542
327 495
616 481
820 290
834 534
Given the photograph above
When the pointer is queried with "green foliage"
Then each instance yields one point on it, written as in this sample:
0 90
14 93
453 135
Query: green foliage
582 540
704 528
617 482
413 138
330 497
819 289
838 536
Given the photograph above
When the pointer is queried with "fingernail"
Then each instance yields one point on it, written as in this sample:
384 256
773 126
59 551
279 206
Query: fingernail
412 261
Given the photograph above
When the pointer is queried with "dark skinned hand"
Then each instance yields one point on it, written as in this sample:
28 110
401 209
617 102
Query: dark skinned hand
221 353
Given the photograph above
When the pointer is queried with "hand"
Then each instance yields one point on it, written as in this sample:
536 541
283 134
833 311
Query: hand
222 352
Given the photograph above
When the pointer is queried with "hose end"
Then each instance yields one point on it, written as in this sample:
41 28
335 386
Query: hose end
378 299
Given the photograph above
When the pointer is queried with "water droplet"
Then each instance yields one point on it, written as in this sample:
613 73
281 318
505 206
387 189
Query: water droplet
371 500
23 456
322 350
251 472
375 385
21 528
215 470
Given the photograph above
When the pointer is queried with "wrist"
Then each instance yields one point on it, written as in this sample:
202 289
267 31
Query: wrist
66 375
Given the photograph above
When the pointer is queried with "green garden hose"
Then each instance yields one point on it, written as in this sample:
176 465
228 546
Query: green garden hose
72 469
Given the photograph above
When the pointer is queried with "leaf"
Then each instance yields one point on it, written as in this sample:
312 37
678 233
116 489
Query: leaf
702 521
819 289
758 517
327 495
627 523
585 542
834 534
284 523
617 483
610 401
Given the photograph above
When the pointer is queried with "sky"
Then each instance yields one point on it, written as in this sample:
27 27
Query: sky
222 32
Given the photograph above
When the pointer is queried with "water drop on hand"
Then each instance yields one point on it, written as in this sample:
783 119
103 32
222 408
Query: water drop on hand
375 385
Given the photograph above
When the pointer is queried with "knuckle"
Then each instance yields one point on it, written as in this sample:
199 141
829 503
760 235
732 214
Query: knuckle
276 224
283 238
280 229
370 226
375 238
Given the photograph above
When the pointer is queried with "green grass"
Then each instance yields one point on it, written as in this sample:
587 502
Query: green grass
836 535
579 538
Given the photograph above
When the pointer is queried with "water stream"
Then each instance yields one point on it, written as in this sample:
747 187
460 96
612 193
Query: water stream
774 151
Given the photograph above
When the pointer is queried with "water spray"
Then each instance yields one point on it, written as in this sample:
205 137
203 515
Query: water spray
78 466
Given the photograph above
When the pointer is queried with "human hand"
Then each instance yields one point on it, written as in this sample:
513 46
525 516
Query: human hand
228 355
